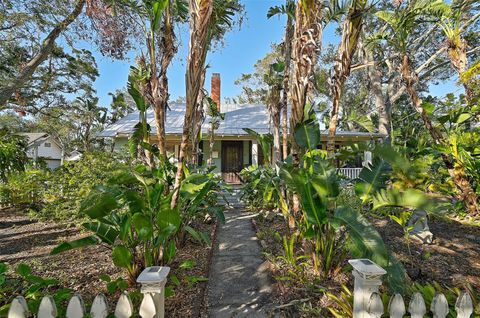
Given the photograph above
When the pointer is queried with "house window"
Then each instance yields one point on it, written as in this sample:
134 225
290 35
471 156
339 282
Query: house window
47 145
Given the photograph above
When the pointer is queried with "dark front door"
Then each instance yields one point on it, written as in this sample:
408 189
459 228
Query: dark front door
232 161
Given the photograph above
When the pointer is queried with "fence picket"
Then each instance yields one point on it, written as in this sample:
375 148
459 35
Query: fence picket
147 308
99 307
124 308
464 305
439 306
396 306
417 307
375 306
75 308
18 308
47 308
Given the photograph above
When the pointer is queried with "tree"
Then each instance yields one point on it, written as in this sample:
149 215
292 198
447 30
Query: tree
48 45
289 10
274 80
209 20
13 153
200 12
215 117
401 23
305 49
457 45
351 31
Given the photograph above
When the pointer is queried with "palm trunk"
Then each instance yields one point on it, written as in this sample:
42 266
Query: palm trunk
352 28
200 13
289 29
305 49
274 109
465 192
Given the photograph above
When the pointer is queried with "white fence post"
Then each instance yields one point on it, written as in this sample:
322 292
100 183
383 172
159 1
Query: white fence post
153 280
367 281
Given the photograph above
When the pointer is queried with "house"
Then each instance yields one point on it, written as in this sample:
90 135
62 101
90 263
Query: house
234 148
74 156
45 147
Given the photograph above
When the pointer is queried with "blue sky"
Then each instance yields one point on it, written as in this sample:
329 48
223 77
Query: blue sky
243 47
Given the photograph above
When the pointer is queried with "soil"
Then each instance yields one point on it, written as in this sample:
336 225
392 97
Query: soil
452 260
23 240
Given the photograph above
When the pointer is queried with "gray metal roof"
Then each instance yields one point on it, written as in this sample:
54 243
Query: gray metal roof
237 117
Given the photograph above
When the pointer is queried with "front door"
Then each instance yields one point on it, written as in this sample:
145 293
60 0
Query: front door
232 161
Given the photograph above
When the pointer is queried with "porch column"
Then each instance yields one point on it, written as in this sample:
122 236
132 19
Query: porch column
254 152
367 158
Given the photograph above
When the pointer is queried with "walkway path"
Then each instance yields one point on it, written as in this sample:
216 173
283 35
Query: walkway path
239 284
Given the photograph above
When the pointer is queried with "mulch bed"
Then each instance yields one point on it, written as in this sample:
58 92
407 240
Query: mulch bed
452 260
23 240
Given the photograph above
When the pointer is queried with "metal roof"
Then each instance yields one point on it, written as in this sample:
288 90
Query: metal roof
237 117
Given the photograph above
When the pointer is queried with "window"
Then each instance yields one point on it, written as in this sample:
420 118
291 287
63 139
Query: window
47 145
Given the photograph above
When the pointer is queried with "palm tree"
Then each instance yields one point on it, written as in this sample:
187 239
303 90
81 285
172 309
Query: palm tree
289 10
351 31
274 80
456 43
200 12
209 20
402 22
305 50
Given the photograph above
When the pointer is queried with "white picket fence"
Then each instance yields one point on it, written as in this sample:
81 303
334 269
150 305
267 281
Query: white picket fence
367 302
417 308
76 307
350 173
152 280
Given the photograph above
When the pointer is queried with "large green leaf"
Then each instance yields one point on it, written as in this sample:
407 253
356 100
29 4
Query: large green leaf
372 179
122 257
167 217
65 246
158 8
98 204
143 226
409 198
365 242
107 233
307 134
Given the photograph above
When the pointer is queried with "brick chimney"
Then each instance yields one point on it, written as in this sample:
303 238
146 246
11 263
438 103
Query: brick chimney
215 90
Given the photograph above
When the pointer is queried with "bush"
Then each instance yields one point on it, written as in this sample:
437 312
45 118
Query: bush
57 194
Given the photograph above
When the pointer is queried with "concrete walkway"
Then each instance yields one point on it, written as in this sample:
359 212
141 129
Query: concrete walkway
239 283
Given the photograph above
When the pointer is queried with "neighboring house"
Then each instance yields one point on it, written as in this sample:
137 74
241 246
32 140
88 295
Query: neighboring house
234 149
74 156
45 147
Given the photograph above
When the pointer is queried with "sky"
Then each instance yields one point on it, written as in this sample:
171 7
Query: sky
242 48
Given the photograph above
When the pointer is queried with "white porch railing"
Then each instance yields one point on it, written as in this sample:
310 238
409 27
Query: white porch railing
350 173
367 302
153 281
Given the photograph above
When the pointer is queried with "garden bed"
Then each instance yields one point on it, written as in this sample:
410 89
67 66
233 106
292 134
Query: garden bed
23 240
452 260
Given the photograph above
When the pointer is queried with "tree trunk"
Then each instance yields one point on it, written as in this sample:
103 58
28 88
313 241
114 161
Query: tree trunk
383 109
352 28
305 49
200 13
45 50
465 192
289 29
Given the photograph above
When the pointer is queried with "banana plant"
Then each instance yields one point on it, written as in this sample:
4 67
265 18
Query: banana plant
132 216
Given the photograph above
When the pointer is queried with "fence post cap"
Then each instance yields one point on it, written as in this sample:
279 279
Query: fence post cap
153 274
367 268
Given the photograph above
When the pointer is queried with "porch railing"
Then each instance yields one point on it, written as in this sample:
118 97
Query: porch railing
350 173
